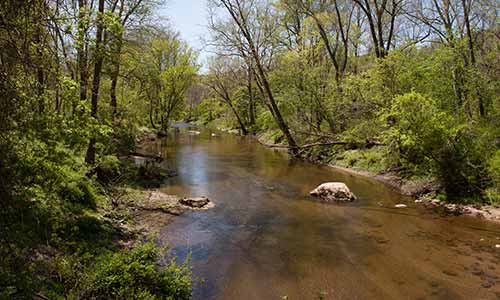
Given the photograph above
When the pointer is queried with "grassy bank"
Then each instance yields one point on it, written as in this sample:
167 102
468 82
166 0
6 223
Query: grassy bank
70 232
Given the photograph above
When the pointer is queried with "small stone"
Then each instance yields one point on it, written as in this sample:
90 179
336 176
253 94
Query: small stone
213 134
400 206
194 202
419 201
381 240
497 246
477 272
481 240
450 273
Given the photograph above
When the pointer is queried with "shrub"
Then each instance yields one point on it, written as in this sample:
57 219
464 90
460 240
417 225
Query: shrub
135 274
123 139
108 168
425 140
492 194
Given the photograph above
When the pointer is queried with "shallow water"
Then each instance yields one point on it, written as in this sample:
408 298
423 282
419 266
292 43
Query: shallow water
266 238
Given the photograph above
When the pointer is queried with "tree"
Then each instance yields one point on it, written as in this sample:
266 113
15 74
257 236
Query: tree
167 70
127 9
254 39
381 17
451 23
99 59
222 80
339 18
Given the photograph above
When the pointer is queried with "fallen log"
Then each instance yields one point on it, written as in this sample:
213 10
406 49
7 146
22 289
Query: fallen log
156 157
329 143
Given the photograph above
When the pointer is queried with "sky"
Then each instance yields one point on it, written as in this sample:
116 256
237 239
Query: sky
189 18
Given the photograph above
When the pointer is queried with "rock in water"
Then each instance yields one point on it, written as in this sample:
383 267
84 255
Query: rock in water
400 206
197 202
333 191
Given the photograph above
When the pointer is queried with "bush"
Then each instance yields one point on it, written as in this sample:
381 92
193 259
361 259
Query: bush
123 139
108 168
425 140
77 189
492 194
134 274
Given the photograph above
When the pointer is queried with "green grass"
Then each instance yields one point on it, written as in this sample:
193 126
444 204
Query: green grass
373 160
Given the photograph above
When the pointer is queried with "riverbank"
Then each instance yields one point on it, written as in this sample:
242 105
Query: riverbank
423 190
426 191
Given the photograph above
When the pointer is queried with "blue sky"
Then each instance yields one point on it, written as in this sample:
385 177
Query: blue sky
189 18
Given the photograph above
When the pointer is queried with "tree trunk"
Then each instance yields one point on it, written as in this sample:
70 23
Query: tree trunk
114 77
39 64
81 50
244 130
90 156
251 101
279 119
243 26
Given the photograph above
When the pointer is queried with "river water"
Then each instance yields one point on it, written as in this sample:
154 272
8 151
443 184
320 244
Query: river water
267 239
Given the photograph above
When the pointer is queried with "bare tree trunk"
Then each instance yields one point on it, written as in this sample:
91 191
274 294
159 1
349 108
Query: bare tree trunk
279 119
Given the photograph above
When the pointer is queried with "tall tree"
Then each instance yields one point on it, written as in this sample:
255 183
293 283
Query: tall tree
99 59
126 10
82 48
255 38
222 80
381 17
335 34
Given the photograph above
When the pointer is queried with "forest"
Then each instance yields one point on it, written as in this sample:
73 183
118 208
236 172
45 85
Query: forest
406 87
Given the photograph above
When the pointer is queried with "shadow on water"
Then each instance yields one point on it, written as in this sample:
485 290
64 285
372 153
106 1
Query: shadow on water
266 238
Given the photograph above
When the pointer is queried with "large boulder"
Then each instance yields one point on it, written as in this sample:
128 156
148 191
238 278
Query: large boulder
333 191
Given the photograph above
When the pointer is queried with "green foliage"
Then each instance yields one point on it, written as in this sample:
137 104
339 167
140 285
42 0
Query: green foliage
127 274
265 121
492 194
122 139
209 109
166 69
425 140
373 159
